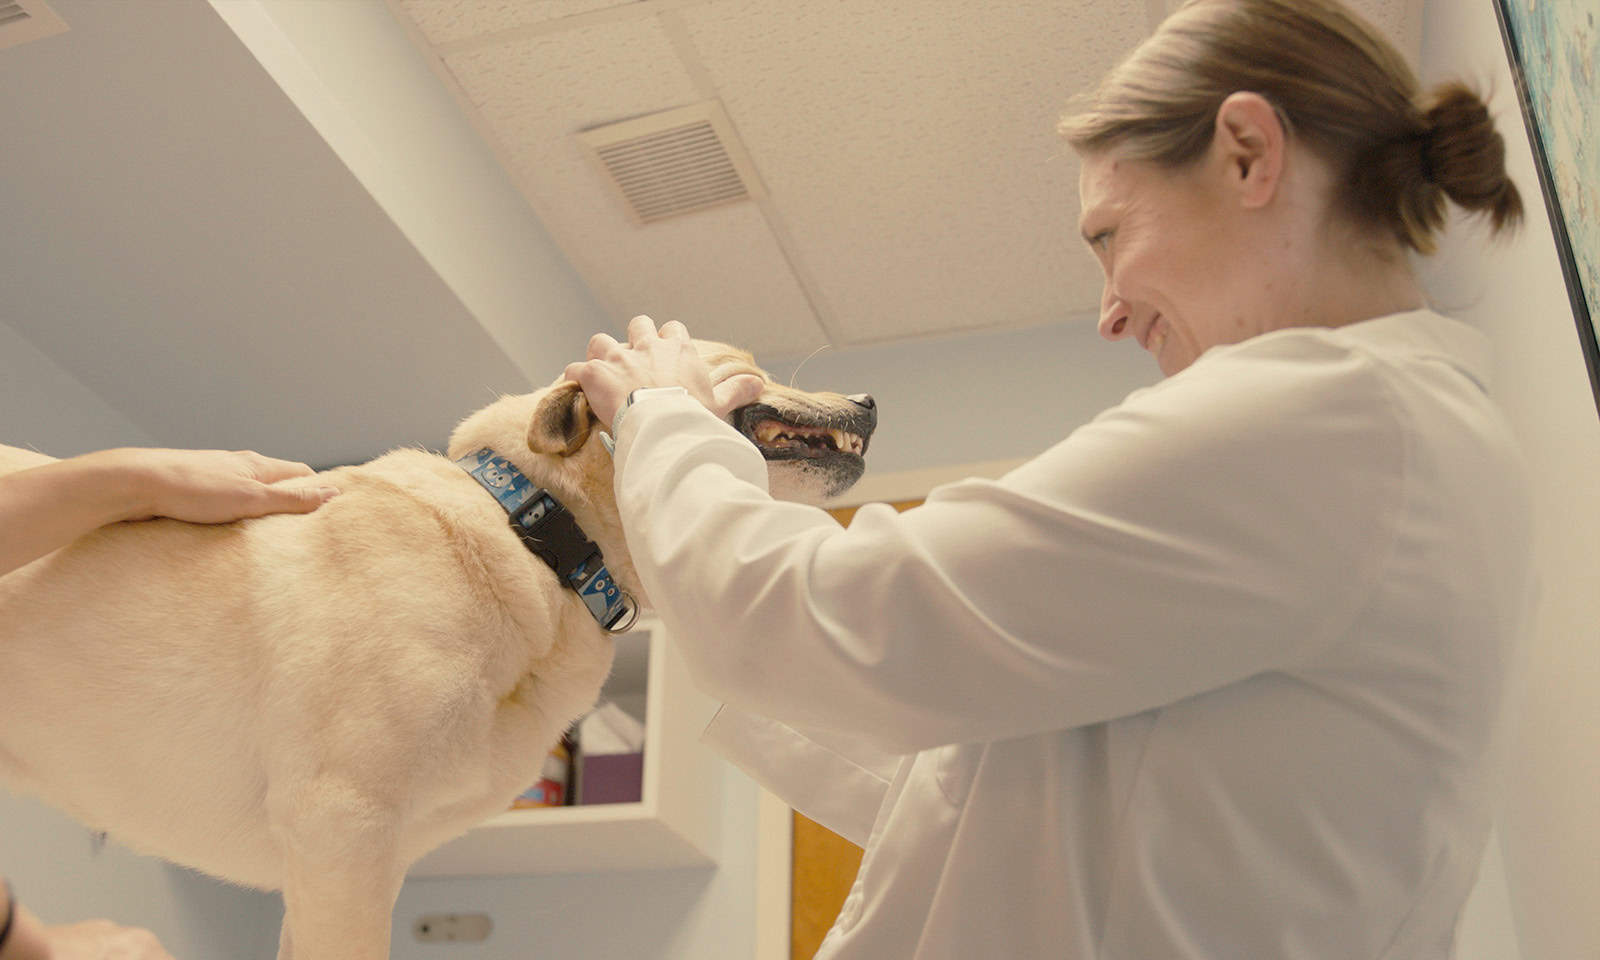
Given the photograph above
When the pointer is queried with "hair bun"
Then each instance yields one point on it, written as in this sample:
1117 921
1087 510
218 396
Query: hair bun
1466 157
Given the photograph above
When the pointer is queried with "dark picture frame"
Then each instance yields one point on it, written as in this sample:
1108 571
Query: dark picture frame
1532 29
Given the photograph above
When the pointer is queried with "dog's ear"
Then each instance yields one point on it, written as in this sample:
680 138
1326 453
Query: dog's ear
561 421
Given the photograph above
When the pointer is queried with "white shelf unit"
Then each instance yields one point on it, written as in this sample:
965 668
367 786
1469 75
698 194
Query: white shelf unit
675 824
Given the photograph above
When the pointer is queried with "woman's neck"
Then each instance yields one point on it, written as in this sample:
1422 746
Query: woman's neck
1360 280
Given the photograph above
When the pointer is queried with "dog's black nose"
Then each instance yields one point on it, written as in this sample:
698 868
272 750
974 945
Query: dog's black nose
863 400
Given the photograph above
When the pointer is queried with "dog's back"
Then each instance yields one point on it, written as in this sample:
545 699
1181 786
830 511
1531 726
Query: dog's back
164 678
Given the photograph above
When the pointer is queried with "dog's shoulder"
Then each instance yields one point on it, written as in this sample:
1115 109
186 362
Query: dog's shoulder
409 498
410 478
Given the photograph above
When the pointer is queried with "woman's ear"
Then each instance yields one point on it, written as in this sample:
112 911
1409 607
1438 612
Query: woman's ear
1250 140
561 421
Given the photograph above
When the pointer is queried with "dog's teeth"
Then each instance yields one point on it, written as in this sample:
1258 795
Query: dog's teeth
777 432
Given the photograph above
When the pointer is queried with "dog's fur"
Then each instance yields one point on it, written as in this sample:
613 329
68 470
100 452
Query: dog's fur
310 703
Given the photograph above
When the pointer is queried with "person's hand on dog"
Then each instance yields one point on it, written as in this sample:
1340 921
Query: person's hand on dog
47 507
652 358
103 940
215 486
30 939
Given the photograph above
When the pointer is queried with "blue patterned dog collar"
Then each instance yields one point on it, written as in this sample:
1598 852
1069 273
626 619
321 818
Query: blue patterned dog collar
552 534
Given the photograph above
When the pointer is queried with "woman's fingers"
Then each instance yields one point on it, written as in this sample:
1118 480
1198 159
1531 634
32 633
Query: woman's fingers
281 499
271 469
601 345
641 330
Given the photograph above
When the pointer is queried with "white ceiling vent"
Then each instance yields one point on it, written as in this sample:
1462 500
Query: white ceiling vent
675 162
23 21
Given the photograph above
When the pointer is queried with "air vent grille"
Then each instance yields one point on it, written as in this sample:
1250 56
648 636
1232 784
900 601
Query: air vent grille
23 21
672 163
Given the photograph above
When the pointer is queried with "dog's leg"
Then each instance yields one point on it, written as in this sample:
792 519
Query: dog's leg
342 872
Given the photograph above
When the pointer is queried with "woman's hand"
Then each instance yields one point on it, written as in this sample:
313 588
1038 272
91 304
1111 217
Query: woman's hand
93 940
212 486
103 940
47 507
652 358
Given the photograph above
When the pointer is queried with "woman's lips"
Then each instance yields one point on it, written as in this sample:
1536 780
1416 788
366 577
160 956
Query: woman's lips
1156 340
1155 335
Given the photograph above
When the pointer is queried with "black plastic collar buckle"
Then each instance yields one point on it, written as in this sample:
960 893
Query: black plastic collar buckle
551 533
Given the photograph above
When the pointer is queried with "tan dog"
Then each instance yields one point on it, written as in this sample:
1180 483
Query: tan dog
311 703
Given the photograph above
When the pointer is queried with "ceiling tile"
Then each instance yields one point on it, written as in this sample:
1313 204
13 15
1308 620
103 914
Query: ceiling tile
720 271
447 21
910 148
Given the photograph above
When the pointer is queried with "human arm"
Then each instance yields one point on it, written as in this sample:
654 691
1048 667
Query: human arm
838 780
27 938
1207 530
46 507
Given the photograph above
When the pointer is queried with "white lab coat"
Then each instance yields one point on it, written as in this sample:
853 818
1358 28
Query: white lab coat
1223 674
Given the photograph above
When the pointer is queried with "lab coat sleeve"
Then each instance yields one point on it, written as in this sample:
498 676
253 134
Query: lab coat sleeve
1227 522
838 780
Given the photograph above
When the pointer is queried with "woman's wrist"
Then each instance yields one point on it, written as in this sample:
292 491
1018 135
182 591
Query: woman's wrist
114 484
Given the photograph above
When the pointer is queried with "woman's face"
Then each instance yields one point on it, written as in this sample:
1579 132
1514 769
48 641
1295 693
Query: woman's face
1180 276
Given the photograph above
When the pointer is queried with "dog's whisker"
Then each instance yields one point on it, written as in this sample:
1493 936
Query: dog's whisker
806 361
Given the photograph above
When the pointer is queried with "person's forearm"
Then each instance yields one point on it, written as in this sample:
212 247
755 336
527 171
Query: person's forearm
45 508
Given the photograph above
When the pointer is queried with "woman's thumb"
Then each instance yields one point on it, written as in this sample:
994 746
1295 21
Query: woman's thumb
299 499
736 392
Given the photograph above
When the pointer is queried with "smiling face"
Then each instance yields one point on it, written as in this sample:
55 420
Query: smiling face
1178 281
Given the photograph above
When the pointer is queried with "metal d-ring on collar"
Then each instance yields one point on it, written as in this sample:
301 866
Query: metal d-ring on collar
550 532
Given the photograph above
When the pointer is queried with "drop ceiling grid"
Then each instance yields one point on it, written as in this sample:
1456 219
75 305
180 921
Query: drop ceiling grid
910 148
720 270
446 21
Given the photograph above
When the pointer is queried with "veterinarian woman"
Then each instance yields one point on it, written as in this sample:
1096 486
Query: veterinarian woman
1223 673
48 507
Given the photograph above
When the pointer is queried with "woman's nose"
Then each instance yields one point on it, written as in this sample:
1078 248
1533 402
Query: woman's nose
1114 317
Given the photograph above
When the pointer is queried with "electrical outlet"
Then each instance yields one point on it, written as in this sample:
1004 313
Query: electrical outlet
452 928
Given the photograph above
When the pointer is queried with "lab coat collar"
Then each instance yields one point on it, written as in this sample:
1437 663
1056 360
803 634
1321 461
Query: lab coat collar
1429 334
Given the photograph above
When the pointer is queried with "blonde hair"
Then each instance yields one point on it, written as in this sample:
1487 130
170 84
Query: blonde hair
1336 85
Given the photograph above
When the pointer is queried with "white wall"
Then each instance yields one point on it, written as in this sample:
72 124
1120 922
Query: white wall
357 77
981 397
59 874
45 408
1550 831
